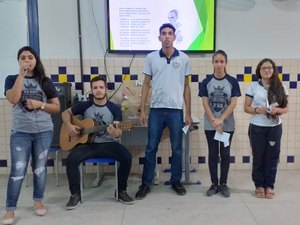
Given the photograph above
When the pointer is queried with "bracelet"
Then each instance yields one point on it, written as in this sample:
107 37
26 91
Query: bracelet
43 106
255 112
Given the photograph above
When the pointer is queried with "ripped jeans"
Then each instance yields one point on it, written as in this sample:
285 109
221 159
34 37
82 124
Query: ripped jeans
23 145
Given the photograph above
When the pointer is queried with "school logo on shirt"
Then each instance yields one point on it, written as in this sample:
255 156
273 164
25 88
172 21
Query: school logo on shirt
99 118
31 91
176 65
218 99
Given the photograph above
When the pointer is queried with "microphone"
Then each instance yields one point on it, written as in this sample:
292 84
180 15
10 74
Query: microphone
26 69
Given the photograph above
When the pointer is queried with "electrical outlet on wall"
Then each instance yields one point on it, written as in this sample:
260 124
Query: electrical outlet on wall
138 83
82 98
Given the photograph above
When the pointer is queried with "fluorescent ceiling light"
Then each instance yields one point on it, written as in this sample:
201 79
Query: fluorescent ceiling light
287 5
239 5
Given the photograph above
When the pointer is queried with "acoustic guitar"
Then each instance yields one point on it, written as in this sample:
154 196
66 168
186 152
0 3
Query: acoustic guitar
89 128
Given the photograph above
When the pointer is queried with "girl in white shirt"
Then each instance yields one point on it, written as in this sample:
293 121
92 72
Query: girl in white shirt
265 100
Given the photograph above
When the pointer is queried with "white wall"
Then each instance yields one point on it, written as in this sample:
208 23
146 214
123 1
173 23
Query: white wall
13 35
261 31
59 28
245 28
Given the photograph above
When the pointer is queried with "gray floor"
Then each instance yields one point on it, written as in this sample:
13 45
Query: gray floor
163 207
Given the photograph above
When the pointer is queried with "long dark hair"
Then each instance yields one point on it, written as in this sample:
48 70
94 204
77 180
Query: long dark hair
276 91
38 71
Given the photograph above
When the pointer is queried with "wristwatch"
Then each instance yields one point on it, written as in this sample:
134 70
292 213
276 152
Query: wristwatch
43 106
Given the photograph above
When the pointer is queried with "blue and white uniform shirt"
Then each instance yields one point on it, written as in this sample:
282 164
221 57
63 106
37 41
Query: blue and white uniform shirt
259 95
219 92
30 120
168 78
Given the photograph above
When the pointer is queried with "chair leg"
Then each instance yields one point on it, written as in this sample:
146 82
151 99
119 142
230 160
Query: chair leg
27 180
81 181
56 168
116 180
98 178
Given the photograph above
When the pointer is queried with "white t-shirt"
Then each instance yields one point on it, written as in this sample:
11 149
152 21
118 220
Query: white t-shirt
259 95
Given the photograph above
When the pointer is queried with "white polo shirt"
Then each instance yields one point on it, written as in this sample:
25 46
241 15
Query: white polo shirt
168 78
259 95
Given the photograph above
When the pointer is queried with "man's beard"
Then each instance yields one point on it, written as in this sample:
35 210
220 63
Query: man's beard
99 98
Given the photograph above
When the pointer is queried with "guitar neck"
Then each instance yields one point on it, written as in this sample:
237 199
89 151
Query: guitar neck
90 130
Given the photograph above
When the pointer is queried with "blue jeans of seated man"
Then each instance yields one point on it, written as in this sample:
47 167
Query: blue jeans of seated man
216 149
157 121
23 145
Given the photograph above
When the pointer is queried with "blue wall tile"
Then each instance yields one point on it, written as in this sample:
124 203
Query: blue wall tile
293 84
125 70
201 159
3 163
70 77
285 77
240 77
290 159
62 70
246 159
247 69
54 77
94 70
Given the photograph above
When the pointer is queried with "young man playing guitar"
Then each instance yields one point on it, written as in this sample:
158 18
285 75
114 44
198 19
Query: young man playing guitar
103 144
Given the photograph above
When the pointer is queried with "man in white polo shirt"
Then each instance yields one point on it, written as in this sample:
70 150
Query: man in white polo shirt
168 69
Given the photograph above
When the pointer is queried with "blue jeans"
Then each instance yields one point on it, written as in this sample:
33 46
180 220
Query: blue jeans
23 145
216 148
265 143
158 120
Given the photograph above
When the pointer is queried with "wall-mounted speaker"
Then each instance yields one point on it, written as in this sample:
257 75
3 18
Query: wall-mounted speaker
64 96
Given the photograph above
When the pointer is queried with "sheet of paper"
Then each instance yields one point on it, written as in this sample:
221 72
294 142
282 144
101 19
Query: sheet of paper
223 137
272 106
195 119
185 129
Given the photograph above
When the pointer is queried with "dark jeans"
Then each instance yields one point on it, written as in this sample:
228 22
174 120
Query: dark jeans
158 120
216 148
102 150
265 144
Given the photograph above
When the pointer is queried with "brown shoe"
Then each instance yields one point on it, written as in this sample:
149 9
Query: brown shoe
260 192
270 194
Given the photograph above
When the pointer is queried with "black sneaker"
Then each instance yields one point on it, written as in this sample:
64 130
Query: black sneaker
125 198
214 189
142 192
224 190
178 188
73 201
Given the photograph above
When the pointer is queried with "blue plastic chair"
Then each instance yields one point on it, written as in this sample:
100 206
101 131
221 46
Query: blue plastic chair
99 161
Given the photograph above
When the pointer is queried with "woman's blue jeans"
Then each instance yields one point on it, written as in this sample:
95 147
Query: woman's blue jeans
157 121
23 145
